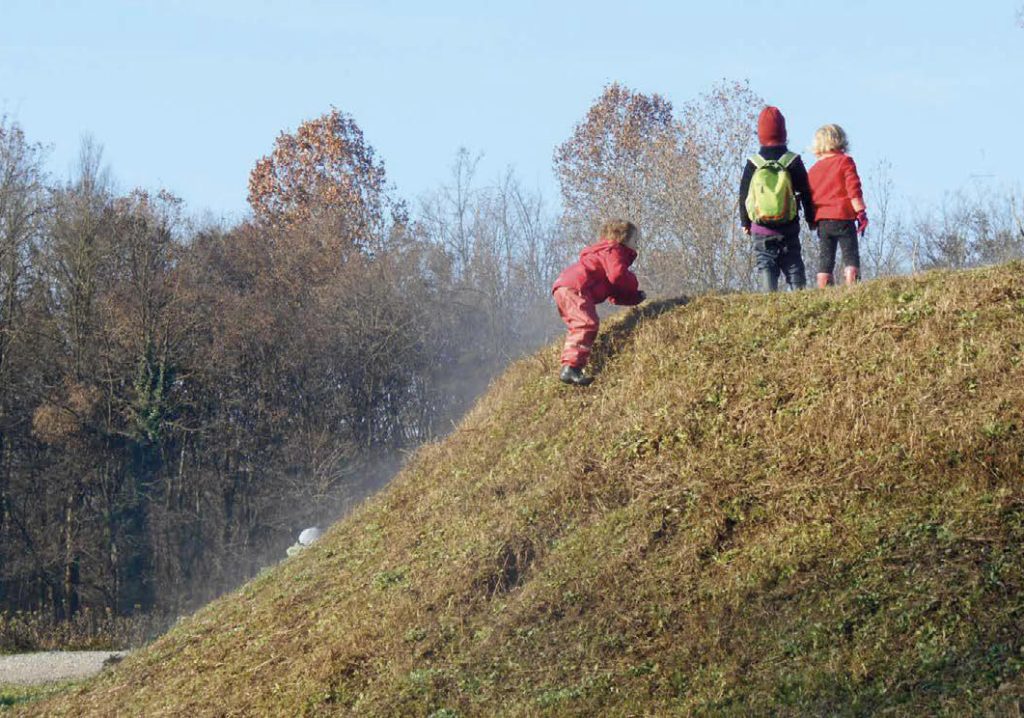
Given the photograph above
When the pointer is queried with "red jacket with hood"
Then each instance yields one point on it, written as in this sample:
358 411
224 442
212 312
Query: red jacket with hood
603 273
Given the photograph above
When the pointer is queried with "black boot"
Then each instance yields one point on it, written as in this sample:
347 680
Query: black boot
572 375
796 276
769 280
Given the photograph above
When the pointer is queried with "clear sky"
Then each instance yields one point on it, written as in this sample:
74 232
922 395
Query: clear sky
187 94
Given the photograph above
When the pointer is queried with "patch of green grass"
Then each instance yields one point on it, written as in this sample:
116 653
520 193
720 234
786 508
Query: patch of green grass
17 695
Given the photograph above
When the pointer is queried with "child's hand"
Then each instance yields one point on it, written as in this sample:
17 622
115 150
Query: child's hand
862 222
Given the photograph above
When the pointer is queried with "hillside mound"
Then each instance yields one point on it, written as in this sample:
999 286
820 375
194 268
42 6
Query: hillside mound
797 504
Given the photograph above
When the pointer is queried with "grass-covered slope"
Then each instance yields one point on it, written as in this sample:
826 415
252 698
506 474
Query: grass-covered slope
800 504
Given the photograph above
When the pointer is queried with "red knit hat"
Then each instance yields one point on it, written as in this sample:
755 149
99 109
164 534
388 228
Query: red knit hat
771 127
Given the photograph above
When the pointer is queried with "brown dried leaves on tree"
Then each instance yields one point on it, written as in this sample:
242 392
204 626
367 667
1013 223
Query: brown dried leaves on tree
323 172
673 173
603 167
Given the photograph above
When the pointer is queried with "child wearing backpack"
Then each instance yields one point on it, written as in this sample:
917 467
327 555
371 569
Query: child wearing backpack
838 204
773 182
602 272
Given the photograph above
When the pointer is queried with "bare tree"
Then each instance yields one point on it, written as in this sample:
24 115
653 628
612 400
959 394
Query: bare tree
499 251
719 126
1017 212
73 260
968 231
446 215
997 229
880 247
23 207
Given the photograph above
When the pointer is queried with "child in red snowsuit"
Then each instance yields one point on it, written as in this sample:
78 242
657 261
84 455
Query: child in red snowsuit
601 273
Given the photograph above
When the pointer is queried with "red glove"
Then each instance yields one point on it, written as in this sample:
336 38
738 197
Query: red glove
862 222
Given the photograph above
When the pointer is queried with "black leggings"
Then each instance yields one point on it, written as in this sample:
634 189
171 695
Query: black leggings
832 232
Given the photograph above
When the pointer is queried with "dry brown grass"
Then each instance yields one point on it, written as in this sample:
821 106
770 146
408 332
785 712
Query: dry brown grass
31 631
801 504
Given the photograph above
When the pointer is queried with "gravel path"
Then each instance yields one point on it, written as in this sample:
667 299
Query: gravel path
33 668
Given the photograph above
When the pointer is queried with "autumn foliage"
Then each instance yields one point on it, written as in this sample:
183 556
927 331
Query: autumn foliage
673 172
324 171
604 169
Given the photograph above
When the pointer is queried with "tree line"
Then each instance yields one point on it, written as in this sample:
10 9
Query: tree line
178 398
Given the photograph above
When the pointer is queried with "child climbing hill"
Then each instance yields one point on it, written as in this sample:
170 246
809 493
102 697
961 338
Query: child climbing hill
602 272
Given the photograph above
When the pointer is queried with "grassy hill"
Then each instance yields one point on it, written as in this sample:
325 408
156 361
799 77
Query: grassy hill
799 504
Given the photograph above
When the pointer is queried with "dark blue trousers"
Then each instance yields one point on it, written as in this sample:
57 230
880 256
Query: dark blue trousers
780 254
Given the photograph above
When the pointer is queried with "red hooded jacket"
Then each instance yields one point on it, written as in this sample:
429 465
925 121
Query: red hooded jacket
603 273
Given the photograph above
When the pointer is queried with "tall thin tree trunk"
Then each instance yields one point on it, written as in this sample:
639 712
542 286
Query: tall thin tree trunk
71 567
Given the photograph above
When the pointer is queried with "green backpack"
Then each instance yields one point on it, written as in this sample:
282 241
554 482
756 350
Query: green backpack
771 199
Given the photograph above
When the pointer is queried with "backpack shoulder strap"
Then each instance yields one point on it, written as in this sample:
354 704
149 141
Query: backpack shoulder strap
787 159
758 161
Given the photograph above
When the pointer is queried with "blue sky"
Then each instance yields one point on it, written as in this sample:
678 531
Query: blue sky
187 95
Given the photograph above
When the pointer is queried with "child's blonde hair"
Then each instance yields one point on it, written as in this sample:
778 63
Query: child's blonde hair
830 138
618 230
